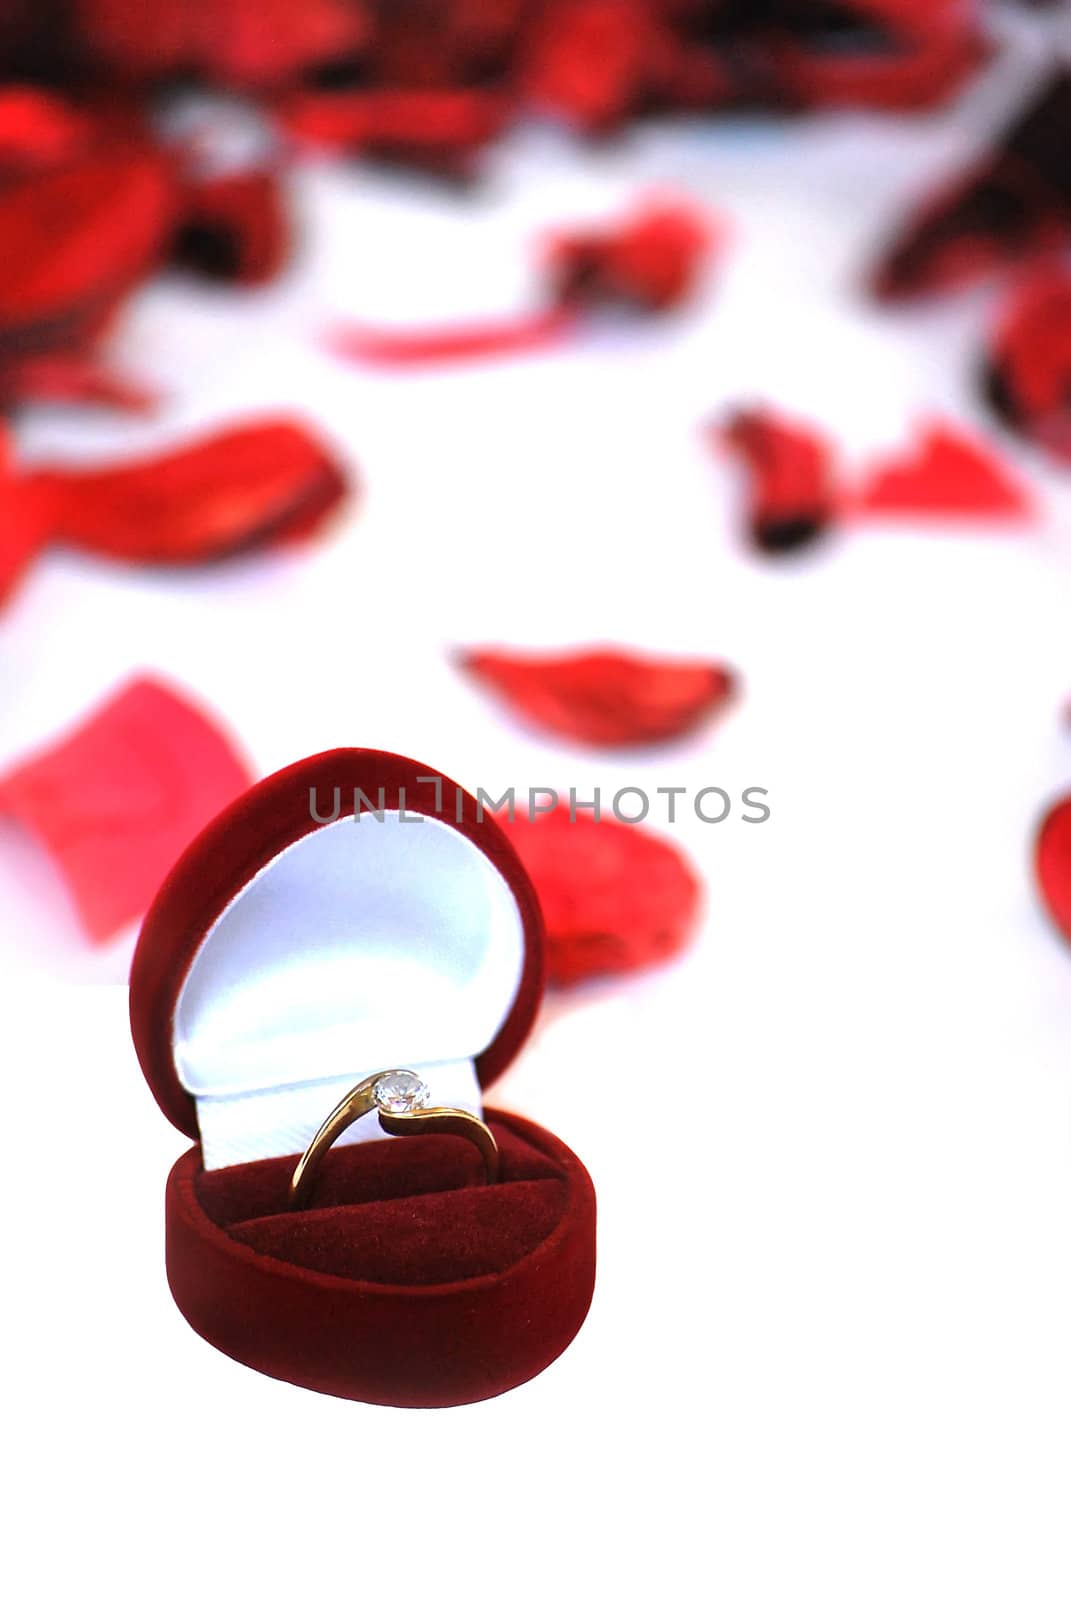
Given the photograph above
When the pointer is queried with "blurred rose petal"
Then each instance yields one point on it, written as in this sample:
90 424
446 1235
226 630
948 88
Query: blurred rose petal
73 377
651 260
76 240
233 227
893 54
404 347
37 130
1028 370
441 129
945 473
593 62
791 493
116 800
615 897
24 522
1011 205
248 43
1052 864
606 697
265 482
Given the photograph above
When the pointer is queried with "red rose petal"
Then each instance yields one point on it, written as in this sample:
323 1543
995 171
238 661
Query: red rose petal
606 697
72 378
246 43
945 474
791 489
24 522
996 215
76 239
597 62
919 56
266 482
403 347
233 227
1009 206
615 897
117 800
437 127
37 130
591 61
1028 377
425 43
650 261
1052 864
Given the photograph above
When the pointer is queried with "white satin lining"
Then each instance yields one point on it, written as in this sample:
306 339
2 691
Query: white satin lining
363 946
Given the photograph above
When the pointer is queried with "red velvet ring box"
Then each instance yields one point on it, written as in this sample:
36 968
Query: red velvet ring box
357 912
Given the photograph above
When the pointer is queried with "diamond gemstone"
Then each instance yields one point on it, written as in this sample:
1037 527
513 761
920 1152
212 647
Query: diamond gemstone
400 1091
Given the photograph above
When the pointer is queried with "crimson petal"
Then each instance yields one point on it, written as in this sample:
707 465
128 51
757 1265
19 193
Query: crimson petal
37 130
233 228
266 482
467 341
592 62
899 57
615 897
438 128
1028 373
76 240
1052 864
791 491
246 43
606 697
117 800
649 261
944 474
1009 206
23 522
74 378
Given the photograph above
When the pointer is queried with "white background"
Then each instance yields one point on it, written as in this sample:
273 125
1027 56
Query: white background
830 1350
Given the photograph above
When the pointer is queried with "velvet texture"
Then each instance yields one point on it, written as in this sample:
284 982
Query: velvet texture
407 1283
245 837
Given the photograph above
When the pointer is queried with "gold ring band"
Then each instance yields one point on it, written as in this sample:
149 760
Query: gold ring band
400 1097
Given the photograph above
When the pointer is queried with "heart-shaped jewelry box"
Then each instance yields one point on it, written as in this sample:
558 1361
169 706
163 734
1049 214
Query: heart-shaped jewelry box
358 912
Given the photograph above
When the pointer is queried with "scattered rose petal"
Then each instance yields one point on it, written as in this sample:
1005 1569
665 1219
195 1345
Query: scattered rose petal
425 43
267 482
438 128
233 227
1052 864
615 896
116 801
900 56
605 697
1013 204
72 378
651 261
403 347
250 44
792 494
23 521
77 238
1028 371
593 62
37 130
944 474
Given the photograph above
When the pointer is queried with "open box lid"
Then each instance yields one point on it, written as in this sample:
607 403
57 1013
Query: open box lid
354 912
